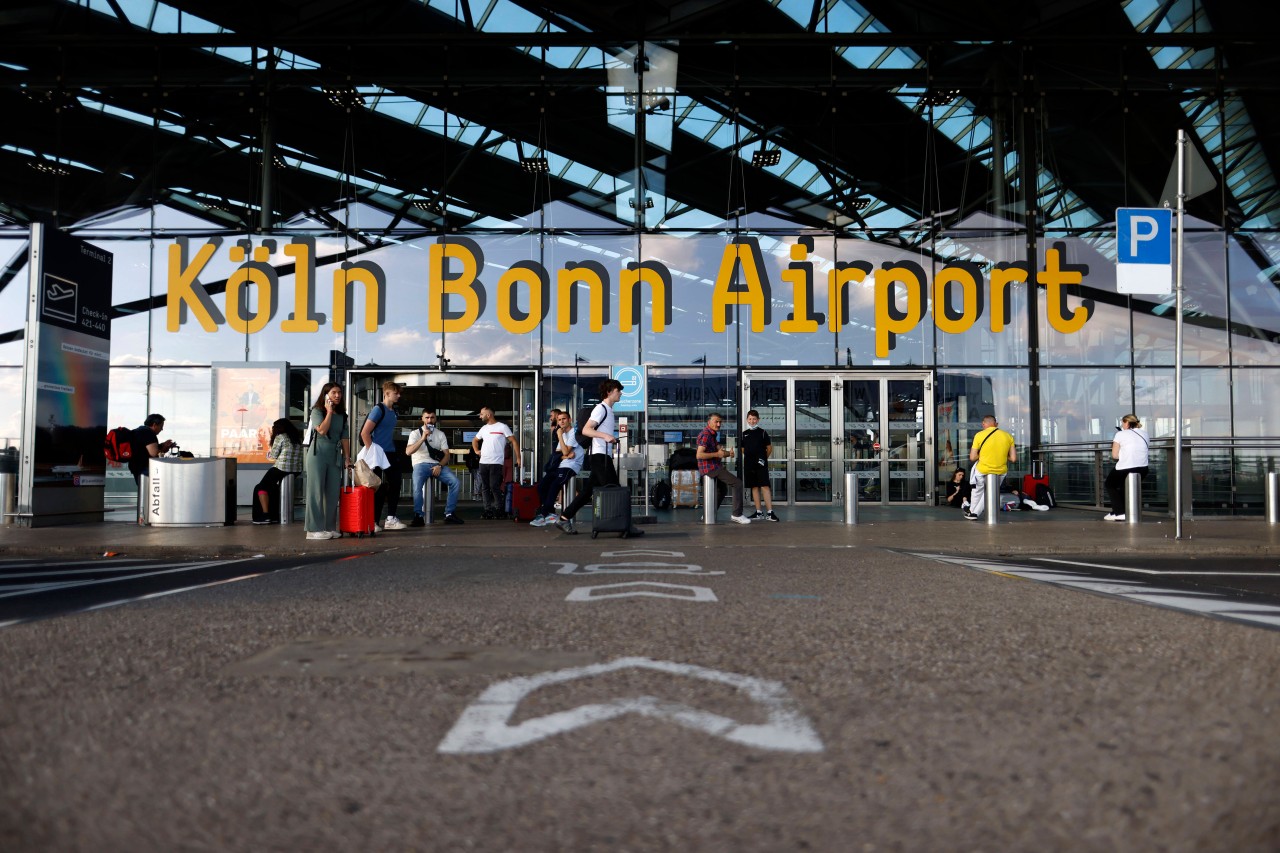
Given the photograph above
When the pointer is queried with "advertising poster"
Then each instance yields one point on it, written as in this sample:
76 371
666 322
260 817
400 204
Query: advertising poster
63 470
248 397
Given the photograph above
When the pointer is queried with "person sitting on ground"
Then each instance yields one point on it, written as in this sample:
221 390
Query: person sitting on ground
1024 500
958 490
571 459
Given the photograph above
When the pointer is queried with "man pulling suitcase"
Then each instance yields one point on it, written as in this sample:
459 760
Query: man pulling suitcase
602 429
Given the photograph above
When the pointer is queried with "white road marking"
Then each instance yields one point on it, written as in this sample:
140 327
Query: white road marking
641 552
180 567
1157 571
587 593
632 569
484 725
1204 602
4 576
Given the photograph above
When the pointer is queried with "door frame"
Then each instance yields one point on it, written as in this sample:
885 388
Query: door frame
839 464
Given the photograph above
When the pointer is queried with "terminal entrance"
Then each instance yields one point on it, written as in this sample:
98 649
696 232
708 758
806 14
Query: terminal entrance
826 423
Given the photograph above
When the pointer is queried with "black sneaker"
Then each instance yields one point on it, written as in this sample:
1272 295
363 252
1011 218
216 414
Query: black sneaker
769 516
452 519
418 521
634 532
968 516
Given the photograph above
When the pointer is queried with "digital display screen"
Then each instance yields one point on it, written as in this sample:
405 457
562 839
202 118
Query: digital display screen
469 434
672 437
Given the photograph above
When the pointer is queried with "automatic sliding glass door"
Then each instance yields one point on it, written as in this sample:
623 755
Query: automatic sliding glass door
823 424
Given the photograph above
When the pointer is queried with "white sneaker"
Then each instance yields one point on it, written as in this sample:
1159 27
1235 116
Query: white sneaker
377 528
739 519
1112 517
393 523
334 534
319 534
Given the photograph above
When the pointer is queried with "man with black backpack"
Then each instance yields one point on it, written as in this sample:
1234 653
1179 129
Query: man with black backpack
601 429
380 429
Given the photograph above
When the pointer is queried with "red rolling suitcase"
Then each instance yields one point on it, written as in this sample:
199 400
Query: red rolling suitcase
355 508
1029 484
524 501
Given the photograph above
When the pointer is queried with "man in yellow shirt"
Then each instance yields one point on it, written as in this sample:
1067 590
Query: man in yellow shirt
992 452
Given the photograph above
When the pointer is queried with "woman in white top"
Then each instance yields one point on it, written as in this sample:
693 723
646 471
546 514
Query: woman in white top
1131 449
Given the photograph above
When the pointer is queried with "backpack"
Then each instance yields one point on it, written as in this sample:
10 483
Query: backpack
1044 495
584 415
683 459
660 495
118 445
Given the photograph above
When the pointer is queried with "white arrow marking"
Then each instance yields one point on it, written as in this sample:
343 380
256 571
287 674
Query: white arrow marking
483 726
584 593
632 569
640 552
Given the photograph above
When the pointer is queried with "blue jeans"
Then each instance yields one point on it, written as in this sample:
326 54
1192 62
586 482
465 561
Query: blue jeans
422 473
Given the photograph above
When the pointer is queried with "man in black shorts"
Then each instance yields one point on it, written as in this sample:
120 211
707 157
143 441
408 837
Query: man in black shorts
756 450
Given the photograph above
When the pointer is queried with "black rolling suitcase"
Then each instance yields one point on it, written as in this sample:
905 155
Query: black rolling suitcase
611 510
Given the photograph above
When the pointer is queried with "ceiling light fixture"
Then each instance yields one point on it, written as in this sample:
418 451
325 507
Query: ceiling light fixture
766 157
939 97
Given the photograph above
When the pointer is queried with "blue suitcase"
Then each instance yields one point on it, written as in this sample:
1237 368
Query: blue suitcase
611 510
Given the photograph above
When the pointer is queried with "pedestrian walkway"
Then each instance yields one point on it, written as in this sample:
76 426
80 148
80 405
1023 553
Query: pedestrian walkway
937 529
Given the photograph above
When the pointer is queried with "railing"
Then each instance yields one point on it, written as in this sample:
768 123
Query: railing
1220 475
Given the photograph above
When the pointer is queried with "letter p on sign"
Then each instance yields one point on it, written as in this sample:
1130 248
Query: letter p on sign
1144 250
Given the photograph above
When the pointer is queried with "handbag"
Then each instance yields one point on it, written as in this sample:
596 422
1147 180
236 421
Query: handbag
365 475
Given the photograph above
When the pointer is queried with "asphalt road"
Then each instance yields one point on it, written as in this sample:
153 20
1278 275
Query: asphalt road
648 695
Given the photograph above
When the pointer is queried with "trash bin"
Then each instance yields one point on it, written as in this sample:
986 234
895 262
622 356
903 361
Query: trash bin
191 492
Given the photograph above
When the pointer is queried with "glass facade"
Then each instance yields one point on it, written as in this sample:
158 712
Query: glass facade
609 261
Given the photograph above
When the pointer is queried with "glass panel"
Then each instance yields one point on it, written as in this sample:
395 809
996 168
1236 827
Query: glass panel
861 432
906 440
813 440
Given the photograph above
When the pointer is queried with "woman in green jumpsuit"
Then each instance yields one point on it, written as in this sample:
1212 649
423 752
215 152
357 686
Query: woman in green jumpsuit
325 460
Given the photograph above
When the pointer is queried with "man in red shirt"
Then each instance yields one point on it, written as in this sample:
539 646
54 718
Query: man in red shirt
711 464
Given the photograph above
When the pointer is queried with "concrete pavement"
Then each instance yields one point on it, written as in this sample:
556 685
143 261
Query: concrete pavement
481 688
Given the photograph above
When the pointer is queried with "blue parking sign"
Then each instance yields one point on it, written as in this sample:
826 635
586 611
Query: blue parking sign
1144 250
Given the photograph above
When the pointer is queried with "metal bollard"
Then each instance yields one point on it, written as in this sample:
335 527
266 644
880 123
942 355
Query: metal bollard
1273 497
8 496
286 499
429 501
143 516
1133 498
850 497
993 497
708 500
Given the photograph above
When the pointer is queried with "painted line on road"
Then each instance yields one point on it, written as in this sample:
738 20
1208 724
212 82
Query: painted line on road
642 568
183 567
652 589
1156 571
1200 602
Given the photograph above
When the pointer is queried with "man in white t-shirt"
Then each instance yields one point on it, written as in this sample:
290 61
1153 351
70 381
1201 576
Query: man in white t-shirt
491 444
602 429
429 449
